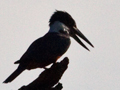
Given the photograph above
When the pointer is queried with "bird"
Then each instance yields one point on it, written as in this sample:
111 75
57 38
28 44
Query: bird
49 48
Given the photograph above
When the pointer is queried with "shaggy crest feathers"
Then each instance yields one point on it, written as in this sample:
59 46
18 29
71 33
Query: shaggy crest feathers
63 17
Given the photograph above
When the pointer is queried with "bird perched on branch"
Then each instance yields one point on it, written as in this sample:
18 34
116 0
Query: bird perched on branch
49 48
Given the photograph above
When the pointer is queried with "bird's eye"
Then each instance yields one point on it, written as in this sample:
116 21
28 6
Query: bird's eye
64 31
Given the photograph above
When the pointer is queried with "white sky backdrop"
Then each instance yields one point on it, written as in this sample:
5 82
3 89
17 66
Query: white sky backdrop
23 21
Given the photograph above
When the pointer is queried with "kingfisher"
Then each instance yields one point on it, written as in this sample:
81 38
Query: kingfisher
49 48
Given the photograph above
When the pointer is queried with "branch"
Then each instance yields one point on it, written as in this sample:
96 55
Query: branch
49 77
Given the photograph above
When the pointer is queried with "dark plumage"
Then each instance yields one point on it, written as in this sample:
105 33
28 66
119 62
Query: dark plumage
42 52
47 49
63 17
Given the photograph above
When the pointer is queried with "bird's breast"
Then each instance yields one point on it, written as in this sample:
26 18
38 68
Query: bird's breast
58 43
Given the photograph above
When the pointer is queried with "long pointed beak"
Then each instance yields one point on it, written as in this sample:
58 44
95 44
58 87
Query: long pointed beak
75 31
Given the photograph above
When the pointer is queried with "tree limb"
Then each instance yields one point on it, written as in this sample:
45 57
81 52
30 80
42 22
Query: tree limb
49 77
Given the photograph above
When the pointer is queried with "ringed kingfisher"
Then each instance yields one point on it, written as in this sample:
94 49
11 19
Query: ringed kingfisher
49 48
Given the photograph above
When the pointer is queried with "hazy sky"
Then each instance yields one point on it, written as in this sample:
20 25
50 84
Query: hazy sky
23 21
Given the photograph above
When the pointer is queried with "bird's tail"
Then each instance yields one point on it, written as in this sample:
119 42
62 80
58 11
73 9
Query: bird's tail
17 72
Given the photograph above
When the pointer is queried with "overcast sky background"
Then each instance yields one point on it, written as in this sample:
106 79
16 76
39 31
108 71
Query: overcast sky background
23 21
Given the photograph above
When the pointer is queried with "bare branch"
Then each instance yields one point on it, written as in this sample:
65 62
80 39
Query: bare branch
49 77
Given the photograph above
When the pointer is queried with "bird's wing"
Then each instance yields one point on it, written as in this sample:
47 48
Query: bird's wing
40 49
45 48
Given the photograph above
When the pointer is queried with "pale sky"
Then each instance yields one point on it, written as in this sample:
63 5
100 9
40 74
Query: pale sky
23 21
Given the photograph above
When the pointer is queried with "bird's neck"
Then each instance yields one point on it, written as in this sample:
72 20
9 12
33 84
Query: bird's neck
57 26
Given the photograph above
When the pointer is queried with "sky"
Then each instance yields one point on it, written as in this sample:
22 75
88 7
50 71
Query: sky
23 21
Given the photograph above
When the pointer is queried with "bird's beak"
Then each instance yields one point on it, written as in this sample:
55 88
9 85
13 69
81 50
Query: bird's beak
74 32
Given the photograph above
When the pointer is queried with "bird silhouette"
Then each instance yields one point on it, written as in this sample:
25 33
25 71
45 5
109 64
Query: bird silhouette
49 48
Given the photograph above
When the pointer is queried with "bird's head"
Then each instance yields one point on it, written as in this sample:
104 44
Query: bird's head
67 24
